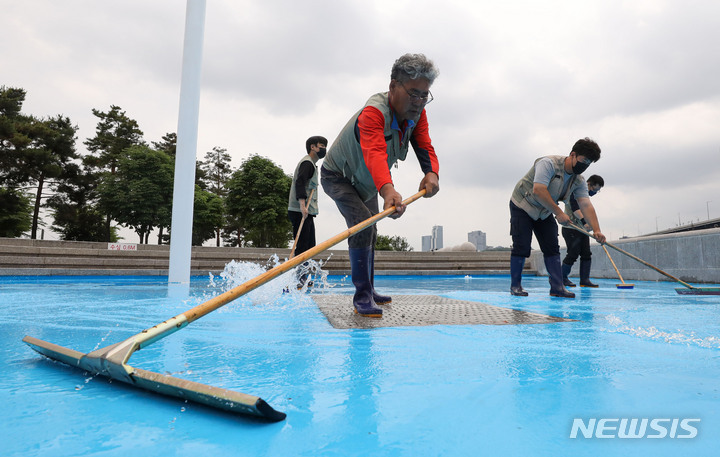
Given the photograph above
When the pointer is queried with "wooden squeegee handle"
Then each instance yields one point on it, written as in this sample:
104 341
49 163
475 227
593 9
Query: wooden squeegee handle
237 292
613 264
581 230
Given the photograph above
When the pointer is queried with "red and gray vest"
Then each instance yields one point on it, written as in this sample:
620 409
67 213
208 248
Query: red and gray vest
345 155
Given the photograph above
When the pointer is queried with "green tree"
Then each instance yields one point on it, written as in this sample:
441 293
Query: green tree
207 215
257 204
15 207
42 161
33 154
168 144
215 174
395 243
11 101
139 193
15 210
114 133
217 170
74 207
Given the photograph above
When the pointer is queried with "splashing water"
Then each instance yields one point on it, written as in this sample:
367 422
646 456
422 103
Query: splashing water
237 273
653 333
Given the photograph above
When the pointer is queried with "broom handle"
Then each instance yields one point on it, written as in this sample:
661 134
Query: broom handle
232 294
636 258
613 264
297 236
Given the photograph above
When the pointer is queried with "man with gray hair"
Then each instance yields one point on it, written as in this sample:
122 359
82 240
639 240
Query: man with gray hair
357 166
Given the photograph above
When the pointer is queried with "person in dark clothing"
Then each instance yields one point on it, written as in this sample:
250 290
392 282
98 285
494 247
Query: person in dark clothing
303 198
578 244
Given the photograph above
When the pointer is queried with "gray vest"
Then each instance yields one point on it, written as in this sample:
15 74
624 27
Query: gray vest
293 203
524 197
345 155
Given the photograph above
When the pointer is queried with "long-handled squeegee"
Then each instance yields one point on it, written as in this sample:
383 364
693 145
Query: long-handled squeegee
624 285
111 361
690 289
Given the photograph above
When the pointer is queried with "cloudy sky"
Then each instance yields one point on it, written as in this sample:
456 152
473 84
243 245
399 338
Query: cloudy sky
519 79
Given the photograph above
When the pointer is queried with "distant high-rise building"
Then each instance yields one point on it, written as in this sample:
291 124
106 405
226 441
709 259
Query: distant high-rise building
437 238
426 243
479 239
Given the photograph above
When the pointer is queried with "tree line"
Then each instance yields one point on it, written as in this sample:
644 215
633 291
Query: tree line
121 180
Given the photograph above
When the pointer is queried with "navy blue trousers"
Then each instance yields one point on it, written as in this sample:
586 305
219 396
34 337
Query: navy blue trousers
522 228
577 244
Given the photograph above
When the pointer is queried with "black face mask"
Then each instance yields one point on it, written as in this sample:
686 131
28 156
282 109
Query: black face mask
321 153
580 167
592 192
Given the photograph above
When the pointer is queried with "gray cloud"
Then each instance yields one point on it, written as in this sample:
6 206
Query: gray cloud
519 79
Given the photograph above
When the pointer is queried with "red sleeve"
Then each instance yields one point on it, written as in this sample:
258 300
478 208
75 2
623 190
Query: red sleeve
423 147
371 127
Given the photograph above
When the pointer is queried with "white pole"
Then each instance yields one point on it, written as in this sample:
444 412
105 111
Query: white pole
184 187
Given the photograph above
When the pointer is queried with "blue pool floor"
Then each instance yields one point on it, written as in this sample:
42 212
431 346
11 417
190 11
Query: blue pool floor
443 390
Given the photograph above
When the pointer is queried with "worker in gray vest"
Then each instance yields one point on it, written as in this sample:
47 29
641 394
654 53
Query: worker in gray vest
535 198
303 198
577 243
358 164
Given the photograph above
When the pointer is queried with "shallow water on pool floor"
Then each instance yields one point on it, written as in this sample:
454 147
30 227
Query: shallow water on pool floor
436 390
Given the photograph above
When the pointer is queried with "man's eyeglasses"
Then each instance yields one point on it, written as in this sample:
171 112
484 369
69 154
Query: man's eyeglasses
585 160
415 97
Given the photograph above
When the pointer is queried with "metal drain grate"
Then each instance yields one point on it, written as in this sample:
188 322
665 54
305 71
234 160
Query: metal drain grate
420 310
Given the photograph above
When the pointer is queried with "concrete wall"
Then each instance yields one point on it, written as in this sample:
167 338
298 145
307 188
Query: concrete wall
38 257
690 256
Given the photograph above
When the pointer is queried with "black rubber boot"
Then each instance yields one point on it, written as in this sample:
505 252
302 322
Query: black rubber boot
554 268
360 268
517 264
566 272
585 274
379 299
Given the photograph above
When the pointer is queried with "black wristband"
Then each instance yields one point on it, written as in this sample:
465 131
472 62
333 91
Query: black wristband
584 222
